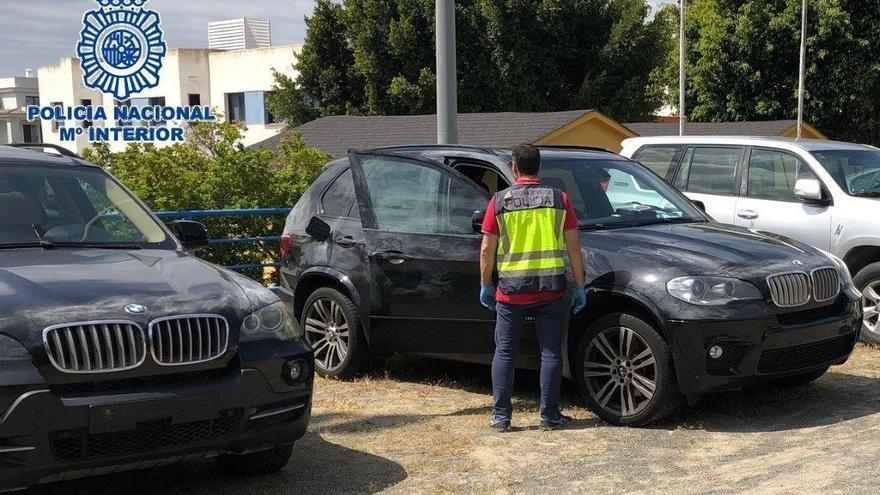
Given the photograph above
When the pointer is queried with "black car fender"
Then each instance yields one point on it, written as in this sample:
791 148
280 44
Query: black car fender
605 300
332 277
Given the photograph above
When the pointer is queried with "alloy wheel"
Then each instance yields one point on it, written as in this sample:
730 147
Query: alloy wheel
620 371
871 307
328 333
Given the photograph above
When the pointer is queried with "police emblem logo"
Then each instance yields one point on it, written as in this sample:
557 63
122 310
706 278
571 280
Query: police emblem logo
121 48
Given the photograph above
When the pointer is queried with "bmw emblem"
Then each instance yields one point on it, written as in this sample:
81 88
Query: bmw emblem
135 309
798 262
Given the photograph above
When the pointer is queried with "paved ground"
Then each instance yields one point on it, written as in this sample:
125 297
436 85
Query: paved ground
419 426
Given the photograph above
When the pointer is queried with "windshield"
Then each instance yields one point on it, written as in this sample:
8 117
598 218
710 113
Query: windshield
856 171
616 193
72 206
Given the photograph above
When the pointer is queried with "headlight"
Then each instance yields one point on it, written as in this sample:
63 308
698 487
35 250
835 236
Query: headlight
711 291
272 322
842 269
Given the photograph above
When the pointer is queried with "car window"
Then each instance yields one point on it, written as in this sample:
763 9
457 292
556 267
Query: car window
419 198
458 206
772 175
856 171
710 170
616 193
489 180
72 205
660 159
338 199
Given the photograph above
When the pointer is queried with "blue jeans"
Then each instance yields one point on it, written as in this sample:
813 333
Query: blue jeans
508 330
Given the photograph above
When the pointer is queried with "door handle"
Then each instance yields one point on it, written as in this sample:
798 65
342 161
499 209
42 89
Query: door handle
393 257
345 241
747 214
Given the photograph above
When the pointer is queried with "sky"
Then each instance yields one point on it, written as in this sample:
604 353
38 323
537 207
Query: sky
37 33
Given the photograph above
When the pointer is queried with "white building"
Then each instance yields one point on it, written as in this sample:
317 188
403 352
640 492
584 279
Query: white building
233 83
239 34
16 93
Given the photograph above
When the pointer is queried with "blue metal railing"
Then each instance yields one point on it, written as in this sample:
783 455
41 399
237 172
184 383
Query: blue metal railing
254 212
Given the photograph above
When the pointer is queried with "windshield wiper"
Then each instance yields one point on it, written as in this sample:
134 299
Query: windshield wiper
867 194
605 226
95 245
20 245
673 221
47 244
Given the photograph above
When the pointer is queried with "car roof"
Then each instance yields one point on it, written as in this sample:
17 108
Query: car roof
11 155
772 142
442 151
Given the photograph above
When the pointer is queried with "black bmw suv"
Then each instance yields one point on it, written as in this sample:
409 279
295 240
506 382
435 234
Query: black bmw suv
381 256
119 349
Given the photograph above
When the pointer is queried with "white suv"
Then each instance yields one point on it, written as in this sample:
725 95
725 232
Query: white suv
825 193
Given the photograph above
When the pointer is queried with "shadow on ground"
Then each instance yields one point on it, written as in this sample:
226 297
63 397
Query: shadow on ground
317 467
836 397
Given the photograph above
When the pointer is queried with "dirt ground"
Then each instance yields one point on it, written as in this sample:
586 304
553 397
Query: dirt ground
420 426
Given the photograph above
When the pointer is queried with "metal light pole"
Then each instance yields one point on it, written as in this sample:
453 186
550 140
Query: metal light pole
447 80
802 74
682 44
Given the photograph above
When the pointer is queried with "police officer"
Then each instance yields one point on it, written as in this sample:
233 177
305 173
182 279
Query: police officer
526 232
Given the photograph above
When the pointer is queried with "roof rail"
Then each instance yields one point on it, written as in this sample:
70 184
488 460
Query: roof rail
433 146
42 146
573 147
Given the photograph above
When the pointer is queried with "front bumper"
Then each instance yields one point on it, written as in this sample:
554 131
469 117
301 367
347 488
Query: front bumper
759 350
48 435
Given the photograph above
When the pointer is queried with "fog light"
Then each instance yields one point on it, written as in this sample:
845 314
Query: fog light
294 370
715 351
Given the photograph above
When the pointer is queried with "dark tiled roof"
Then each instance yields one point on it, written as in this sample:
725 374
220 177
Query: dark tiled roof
756 128
336 135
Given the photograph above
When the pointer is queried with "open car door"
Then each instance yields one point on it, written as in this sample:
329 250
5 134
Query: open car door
423 256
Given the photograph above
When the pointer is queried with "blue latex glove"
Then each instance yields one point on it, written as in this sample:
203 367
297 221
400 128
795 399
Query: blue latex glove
487 296
578 299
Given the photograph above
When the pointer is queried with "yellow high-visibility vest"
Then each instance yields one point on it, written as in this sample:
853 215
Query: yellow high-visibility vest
531 243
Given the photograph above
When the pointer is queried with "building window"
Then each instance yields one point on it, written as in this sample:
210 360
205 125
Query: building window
32 101
86 103
31 133
56 124
235 107
126 104
195 100
270 119
158 101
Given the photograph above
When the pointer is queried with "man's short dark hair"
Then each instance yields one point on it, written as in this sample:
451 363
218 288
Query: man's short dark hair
528 159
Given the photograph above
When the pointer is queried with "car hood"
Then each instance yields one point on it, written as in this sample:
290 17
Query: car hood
40 288
700 249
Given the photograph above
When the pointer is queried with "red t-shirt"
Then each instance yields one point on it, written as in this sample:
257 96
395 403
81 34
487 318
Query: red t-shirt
490 226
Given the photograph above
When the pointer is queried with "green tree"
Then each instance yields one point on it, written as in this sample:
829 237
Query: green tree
743 59
212 170
328 82
513 55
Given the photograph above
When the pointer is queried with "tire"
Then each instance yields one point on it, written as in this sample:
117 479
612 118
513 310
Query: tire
799 380
257 463
338 338
867 279
632 372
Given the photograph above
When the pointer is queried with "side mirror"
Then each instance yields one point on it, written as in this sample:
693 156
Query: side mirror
193 235
477 221
809 190
700 205
319 229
